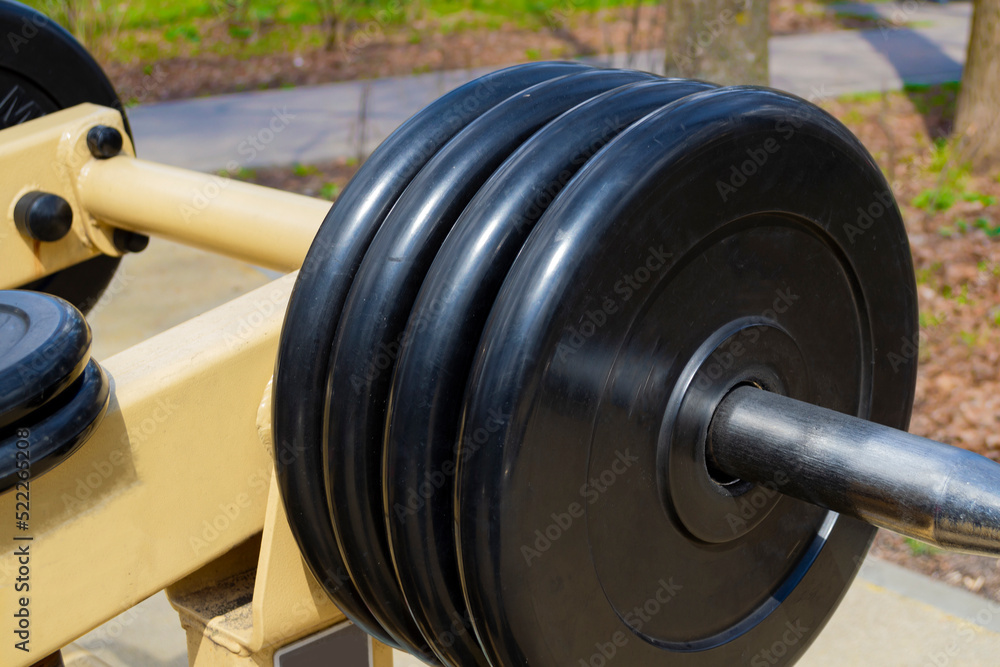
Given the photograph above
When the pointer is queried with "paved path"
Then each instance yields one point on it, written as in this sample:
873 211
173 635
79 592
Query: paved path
882 621
320 123
880 59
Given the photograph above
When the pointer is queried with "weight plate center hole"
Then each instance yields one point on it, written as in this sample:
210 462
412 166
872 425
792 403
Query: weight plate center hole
734 485
708 502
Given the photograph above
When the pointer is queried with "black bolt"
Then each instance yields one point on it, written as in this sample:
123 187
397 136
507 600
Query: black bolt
104 142
43 216
127 241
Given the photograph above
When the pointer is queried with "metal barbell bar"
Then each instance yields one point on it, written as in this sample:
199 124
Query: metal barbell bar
921 488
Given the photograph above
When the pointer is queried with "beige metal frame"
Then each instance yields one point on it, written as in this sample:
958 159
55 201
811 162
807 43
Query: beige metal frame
259 225
176 488
47 154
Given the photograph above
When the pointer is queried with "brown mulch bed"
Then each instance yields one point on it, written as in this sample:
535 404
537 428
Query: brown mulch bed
958 287
957 266
419 47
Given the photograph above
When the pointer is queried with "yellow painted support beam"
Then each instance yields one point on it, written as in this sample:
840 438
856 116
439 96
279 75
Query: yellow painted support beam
174 477
260 225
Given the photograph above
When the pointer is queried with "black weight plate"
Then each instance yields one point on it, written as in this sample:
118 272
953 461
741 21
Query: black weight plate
443 333
44 69
44 347
318 297
48 436
375 315
727 212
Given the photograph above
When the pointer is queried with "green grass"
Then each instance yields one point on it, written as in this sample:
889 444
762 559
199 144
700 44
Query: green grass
242 174
875 21
961 227
304 169
936 199
952 187
925 276
961 296
146 14
929 320
918 548
952 87
860 98
988 267
188 32
155 29
969 338
329 191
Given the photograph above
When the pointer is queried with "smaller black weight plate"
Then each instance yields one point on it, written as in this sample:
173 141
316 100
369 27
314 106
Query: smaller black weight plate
44 347
50 435
375 315
443 333
709 244
44 69
318 297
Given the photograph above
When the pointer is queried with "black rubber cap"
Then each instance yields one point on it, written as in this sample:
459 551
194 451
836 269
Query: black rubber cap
43 216
127 241
44 347
104 142
48 436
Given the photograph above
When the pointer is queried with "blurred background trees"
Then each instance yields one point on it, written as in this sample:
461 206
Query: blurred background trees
724 41
160 49
977 123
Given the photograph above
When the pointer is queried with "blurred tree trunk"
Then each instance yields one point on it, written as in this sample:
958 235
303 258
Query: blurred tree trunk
331 14
977 129
723 41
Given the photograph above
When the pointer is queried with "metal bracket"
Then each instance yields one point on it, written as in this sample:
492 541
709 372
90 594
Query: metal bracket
47 154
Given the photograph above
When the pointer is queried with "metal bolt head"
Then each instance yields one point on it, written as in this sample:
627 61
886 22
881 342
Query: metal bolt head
127 241
43 216
104 142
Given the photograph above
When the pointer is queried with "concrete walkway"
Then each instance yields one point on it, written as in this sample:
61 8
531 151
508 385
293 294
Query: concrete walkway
882 621
321 123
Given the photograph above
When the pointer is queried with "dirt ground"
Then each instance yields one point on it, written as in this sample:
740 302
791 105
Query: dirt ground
373 51
955 241
952 220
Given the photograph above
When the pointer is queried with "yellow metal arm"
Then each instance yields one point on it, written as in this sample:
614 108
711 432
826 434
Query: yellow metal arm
263 226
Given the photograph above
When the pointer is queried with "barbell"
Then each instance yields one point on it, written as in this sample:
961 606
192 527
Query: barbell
586 365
